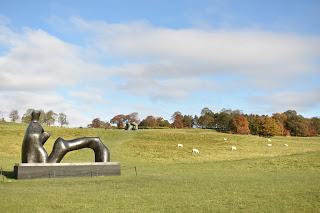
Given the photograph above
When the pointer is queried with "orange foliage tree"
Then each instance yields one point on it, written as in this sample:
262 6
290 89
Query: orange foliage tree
240 125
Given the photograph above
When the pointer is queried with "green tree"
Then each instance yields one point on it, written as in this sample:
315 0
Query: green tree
50 117
26 118
296 124
14 115
162 122
62 119
206 119
254 124
187 121
195 121
223 120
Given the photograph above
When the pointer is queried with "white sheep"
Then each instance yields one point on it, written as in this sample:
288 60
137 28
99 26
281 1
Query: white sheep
180 145
286 145
233 148
195 151
269 140
269 144
225 139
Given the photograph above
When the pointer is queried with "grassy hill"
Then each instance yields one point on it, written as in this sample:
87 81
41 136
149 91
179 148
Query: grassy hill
255 178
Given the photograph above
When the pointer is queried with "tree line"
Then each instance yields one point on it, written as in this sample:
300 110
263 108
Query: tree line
49 118
288 123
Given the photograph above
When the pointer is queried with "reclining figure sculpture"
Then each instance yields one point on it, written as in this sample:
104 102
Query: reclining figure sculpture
35 137
131 126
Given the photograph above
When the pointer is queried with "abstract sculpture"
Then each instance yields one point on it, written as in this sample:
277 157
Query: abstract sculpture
131 126
33 150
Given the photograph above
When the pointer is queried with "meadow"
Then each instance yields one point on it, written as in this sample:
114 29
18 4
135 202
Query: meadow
254 178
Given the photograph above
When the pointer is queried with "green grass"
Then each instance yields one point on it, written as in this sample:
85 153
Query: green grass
255 178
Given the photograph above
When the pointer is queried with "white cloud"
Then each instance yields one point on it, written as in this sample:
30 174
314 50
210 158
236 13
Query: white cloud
163 57
284 100
90 96
36 65
181 52
169 89
37 60
39 70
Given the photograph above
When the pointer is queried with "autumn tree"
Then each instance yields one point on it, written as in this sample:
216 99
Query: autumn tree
316 123
312 131
14 115
119 120
269 127
177 119
96 123
154 122
149 122
133 117
281 119
239 124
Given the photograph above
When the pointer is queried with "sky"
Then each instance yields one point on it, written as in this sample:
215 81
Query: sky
95 59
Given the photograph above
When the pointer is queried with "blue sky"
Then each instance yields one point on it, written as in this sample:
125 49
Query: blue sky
100 58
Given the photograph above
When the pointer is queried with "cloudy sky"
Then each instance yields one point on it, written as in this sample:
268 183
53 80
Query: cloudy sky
100 58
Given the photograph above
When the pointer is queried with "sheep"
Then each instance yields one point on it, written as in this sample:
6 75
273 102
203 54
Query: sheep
269 140
180 145
195 151
233 148
269 144
286 145
225 139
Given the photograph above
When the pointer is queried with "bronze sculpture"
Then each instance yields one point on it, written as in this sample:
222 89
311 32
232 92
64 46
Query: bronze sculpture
131 126
35 137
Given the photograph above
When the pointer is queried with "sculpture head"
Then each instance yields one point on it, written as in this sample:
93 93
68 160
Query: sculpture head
35 115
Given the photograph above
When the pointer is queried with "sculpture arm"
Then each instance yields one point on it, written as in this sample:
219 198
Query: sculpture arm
44 137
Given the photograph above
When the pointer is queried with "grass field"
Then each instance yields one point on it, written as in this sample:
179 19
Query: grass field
255 178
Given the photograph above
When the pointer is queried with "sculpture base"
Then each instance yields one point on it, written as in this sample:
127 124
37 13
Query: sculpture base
57 170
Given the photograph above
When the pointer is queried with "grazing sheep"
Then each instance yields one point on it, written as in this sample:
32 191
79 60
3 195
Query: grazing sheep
180 145
269 144
195 151
225 139
233 148
269 140
286 145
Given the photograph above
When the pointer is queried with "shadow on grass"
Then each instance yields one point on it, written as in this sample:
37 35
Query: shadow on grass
8 174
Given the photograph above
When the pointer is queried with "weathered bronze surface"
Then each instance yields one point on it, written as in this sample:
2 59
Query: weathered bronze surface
35 137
